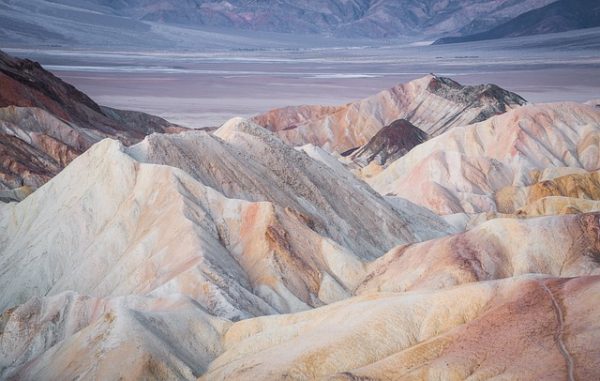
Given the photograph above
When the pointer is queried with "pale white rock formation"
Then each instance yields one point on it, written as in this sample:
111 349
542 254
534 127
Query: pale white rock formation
245 226
398 203
70 336
108 225
170 334
461 170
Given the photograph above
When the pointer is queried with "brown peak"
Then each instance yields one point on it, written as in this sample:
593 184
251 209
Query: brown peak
391 142
399 129
400 123
491 90
18 63
6 58
8 62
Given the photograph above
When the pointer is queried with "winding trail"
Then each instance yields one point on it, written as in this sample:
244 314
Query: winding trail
558 336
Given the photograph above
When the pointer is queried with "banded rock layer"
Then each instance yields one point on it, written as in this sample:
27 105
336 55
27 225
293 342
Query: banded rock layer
565 246
434 104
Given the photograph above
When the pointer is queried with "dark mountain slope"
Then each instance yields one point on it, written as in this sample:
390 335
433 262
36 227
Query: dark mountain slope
45 123
560 16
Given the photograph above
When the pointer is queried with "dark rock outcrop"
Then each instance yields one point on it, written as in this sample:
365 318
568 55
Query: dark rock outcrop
390 143
492 99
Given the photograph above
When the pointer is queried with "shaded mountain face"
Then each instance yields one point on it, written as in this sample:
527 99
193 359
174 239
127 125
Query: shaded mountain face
45 123
25 83
390 143
434 104
560 16
104 22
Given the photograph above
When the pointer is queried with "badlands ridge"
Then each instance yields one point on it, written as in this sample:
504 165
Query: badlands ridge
431 232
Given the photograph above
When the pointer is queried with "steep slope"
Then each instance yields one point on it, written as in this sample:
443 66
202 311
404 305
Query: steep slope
36 145
528 328
434 104
254 227
25 83
461 170
560 16
45 123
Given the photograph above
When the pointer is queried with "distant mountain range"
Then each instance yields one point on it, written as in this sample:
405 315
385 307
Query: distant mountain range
560 16
169 23
339 18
